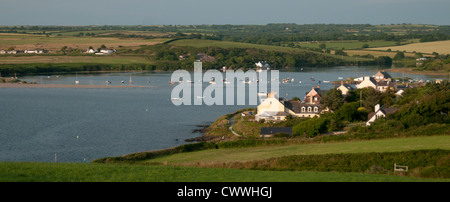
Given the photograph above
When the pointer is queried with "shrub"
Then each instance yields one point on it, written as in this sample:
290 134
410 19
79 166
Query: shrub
312 127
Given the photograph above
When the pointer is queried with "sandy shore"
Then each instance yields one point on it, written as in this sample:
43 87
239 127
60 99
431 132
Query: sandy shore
22 85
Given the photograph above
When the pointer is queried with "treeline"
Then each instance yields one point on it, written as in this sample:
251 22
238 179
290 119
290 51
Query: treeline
270 34
22 69
244 57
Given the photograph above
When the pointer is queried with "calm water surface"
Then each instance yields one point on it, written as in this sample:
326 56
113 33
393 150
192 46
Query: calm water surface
84 124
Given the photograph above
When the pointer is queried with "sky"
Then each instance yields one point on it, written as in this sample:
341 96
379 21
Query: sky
236 12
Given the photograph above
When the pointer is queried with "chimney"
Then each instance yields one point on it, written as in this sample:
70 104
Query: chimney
377 107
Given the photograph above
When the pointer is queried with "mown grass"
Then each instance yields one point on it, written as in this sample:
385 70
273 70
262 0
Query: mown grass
93 172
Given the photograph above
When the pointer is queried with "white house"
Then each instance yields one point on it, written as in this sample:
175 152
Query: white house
379 112
271 109
105 51
367 82
344 88
91 51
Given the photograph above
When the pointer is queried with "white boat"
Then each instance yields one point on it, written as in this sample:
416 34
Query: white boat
300 82
200 97
176 98
262 94
76 79
226 82
326 81
340 77
131 81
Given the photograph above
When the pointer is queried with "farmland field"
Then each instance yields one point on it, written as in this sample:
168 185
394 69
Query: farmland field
230 44
441 47
73 59
347 45
52 43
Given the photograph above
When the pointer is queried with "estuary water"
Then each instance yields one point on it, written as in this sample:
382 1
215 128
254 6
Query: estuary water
82 124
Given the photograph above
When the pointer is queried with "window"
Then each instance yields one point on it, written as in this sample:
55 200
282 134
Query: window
316 109
303 109
309 109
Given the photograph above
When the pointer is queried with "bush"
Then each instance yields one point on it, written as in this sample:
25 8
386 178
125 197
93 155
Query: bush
312 127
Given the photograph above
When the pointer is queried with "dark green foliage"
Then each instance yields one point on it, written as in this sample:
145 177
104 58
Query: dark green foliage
429 163
332 99
312 127
424 105
349 112
383 61
400 55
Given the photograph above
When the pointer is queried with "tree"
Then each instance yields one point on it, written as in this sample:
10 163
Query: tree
333 99
323 46
400 55
365 45
383 61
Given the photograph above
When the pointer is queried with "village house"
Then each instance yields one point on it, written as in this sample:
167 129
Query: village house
271 109
105 51
90 50
378 113
36 51
12 52
344 88
2 52
367 82
380 86
276 109
382 76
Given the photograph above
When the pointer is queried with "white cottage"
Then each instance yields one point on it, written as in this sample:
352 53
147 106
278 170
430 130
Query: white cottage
379 112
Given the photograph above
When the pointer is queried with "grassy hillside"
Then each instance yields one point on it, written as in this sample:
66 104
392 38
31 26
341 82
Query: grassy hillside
214 156
92 172
441 47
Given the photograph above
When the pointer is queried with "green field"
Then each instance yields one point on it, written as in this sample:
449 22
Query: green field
347 45
187 167
92 172
230 44
208 157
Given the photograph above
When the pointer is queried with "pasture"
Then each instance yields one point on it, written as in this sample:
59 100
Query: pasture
441 47
55 43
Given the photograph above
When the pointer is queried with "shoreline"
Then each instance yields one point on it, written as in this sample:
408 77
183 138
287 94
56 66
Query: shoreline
25 85
411 71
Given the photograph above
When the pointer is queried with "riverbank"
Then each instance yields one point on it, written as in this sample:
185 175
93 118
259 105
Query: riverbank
412 71
26 85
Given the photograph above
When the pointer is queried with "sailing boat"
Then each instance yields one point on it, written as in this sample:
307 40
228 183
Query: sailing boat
76 79
131 81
